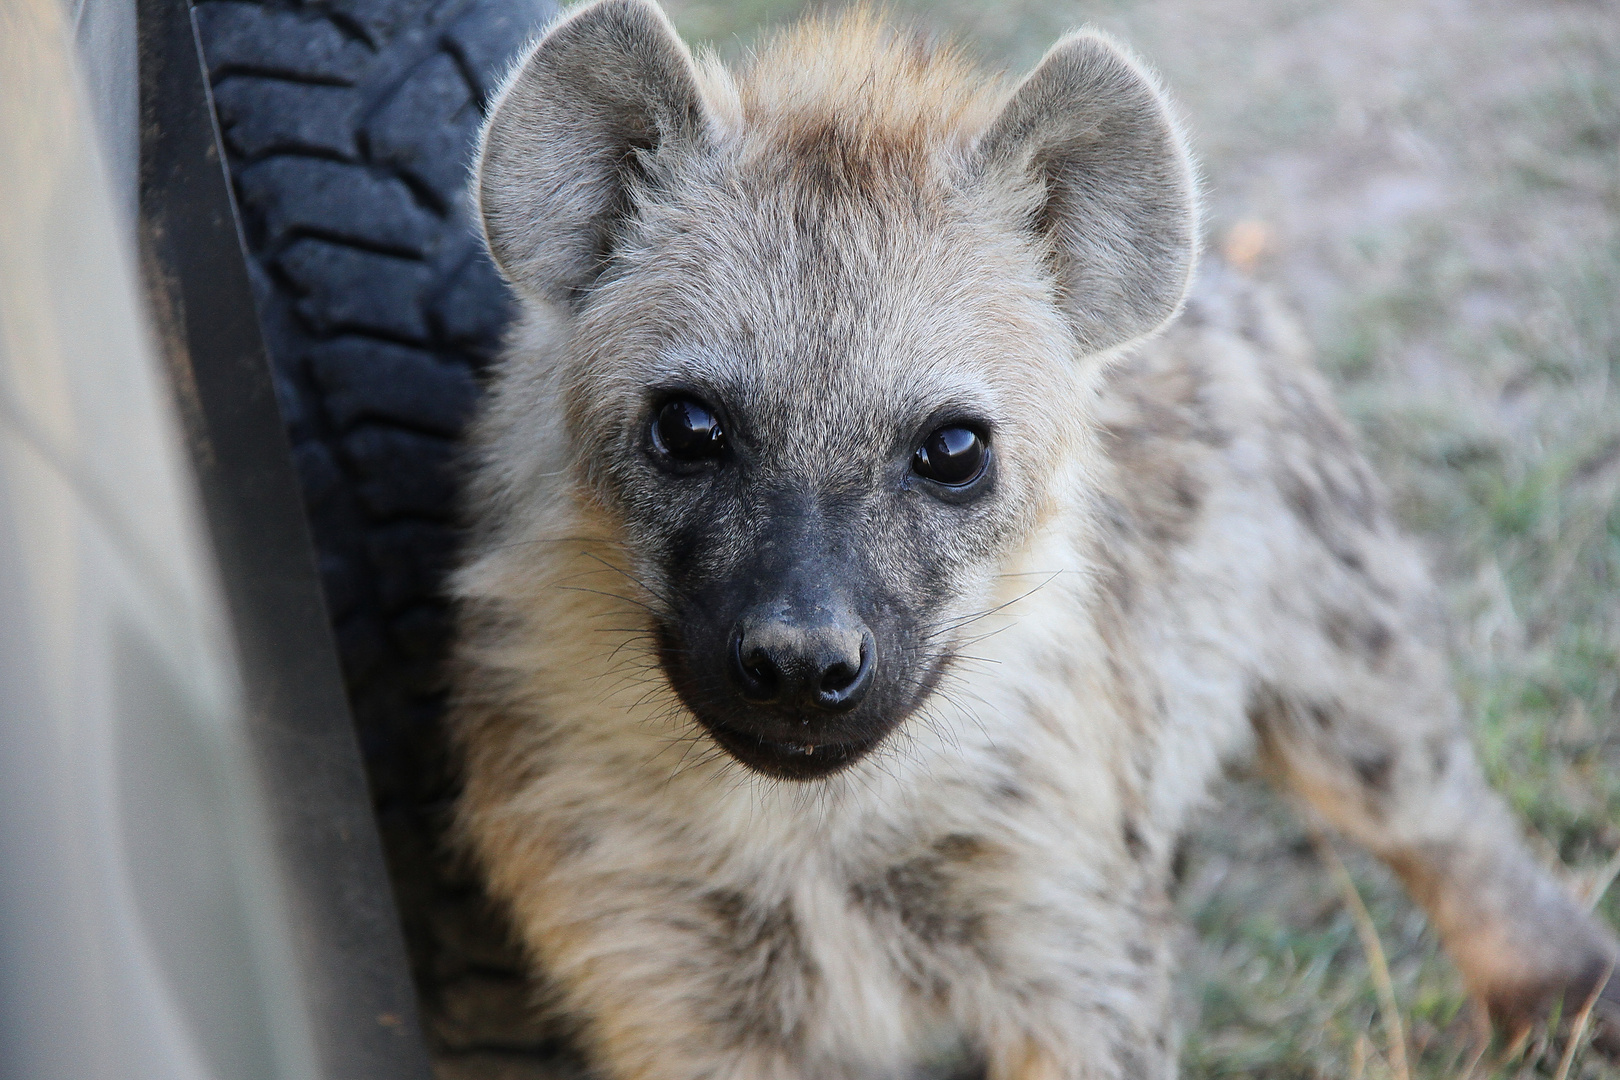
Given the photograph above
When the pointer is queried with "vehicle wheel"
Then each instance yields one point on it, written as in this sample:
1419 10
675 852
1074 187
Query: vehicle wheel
349 127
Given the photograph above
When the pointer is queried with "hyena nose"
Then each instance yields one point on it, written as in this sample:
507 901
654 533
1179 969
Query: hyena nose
827 666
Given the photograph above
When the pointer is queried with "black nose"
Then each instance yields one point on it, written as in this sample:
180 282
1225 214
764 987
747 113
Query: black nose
778 661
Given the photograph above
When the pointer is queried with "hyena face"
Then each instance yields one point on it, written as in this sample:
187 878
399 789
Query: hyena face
817 461
825 350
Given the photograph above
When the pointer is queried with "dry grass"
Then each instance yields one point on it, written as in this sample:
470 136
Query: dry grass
1435 186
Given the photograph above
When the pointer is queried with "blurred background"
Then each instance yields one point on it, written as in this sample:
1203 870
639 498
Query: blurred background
1434 187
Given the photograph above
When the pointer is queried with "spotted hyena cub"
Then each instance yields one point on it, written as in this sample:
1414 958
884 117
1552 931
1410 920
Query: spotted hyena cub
861 596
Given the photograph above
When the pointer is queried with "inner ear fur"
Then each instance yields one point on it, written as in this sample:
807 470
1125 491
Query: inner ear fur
605 86
1119 209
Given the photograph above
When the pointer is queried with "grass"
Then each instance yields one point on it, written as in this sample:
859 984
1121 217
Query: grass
1435 187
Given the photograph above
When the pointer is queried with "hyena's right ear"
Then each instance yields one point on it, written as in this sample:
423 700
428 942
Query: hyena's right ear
1115 198
606 91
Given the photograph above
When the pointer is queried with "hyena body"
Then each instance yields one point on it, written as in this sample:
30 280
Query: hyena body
859 602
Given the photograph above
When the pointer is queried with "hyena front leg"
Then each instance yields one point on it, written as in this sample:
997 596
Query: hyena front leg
1363 724
1079 990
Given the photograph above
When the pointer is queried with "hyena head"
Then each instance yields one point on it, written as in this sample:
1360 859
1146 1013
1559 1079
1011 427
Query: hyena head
828 329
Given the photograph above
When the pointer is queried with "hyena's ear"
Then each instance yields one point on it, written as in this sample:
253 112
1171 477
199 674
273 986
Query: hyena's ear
1119 205
606 92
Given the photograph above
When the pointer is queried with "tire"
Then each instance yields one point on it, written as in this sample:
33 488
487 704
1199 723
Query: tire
348 129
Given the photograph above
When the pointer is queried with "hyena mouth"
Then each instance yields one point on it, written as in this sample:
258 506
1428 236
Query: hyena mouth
786 760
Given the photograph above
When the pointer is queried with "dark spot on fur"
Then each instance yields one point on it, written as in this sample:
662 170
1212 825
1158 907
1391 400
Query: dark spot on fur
762 968
1115 578
961 848
574 843
1375 770
1187 494
1265 711
1180 863
1139 954
1439 757
1323 716
1164 501
728 907
1250 324
1134 1062
1330 513
918 892
1365 636
1008 788
1009 792
1134 843
960 1065
1304 503
1158 442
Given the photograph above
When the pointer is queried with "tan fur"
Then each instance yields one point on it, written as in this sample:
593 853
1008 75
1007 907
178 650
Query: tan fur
860 105
1191 564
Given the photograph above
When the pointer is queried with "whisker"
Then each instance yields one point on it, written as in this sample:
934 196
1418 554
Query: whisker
610 595
535 541
949 625
652 592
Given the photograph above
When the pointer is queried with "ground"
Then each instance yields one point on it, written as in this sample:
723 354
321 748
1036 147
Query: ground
1434 185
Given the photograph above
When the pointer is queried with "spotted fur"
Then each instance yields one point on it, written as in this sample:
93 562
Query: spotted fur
1183 560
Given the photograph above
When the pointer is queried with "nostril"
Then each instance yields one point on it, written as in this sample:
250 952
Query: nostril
844 684
838 677
756 671
759 666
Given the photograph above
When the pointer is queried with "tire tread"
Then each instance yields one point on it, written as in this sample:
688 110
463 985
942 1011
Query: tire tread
348 127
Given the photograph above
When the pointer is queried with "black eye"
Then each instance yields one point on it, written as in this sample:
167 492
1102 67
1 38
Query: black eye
687 430
954 456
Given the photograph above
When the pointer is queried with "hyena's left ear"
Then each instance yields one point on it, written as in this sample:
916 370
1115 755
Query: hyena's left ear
1117 200
606 93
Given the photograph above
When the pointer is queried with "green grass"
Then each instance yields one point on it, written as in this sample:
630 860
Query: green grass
1441 188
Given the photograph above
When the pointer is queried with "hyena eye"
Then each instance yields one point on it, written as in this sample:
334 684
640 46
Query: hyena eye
687 430
954 456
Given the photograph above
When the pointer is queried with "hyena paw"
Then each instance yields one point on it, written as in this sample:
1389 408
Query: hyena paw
1593 990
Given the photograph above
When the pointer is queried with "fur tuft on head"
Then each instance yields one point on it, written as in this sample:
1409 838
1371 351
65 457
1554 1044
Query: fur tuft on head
858 101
